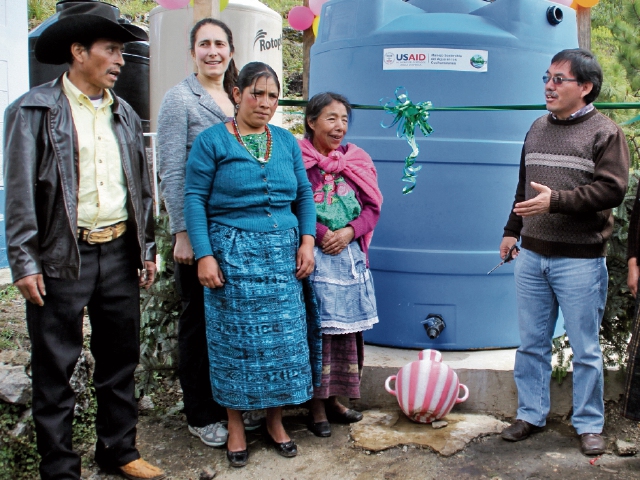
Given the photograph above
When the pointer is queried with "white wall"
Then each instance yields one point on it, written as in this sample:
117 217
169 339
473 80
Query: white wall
14 59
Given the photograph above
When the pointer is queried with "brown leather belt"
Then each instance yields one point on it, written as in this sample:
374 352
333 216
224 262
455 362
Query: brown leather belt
102 234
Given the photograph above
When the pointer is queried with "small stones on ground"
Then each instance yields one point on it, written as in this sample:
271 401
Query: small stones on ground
625 449
608 470
15 384
207 473
439 424
555 455
145 404
22 428
405 448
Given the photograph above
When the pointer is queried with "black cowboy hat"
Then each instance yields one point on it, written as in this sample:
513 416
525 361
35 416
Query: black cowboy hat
83 23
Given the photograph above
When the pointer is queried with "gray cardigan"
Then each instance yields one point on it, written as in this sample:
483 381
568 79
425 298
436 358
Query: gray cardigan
187 110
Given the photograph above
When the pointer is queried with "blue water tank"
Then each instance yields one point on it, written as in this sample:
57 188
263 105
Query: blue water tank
432 248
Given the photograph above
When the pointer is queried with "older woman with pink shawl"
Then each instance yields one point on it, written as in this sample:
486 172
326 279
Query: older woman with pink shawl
348 201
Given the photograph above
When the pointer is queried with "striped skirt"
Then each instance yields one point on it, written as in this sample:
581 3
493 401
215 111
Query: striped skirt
256 323
342 362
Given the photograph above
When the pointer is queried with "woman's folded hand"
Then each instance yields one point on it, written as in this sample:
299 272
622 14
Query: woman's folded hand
209 272
334 244
304 259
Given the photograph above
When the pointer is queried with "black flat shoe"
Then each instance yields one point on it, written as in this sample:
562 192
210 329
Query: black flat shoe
349 416
319 429
238 459
286 449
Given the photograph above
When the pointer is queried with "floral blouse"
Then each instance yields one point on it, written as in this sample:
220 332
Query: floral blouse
336 202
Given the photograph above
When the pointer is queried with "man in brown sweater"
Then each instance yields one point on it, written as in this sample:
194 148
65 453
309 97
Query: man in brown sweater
573 170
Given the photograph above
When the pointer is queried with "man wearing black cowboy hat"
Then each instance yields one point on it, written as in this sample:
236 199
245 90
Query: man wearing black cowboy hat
79 232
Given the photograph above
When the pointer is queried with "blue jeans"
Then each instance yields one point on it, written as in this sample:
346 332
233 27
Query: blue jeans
579 287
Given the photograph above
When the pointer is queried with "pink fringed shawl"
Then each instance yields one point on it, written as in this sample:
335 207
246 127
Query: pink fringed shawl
355 165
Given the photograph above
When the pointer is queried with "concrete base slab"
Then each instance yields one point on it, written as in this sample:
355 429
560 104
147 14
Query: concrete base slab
5 276
384 429
487 373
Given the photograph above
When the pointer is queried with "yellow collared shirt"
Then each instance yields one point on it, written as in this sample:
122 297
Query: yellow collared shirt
102 194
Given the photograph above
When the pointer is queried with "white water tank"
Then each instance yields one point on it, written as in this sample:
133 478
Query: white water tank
257 36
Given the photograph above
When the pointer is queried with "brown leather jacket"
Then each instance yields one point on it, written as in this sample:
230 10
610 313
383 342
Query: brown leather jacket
41 183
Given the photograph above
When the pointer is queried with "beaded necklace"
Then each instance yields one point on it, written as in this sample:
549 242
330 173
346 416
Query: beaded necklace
267 155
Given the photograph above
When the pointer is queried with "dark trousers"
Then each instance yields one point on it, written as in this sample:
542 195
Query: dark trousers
108 286
193 368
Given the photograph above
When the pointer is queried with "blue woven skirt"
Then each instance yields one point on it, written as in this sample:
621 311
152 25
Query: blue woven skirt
256 323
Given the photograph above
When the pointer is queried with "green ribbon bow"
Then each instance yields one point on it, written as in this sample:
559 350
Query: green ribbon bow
408 116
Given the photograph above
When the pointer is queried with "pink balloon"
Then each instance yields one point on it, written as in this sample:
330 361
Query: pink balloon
173 4
566 3
316 6
300 18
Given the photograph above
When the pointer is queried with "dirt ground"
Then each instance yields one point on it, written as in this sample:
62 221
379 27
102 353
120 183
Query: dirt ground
164 440
553 453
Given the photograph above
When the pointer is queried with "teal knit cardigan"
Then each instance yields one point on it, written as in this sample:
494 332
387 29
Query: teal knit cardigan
226 185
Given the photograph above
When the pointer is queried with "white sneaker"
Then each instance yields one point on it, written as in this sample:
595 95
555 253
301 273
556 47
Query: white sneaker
213 435
252 419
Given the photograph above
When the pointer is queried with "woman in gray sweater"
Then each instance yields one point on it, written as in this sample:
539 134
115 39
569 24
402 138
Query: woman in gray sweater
195 104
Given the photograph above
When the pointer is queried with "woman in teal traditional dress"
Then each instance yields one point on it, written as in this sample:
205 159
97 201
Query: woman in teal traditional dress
244 179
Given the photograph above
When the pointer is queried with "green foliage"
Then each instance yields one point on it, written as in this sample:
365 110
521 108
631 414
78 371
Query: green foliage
618 313
603 13
282 6
297 128
160 307
18 456
134 8
9 293
84 431
626 29
40 10
292 62
563 362
10 339
7 339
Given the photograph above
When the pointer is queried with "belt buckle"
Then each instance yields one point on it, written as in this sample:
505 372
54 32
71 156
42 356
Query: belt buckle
93 230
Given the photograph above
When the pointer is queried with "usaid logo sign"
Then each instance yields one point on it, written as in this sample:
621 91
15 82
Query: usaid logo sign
265 43
460 60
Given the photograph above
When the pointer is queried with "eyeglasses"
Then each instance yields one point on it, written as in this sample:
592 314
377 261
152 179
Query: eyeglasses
557 80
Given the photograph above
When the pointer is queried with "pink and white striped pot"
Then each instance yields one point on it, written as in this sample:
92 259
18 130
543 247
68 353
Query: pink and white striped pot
427 389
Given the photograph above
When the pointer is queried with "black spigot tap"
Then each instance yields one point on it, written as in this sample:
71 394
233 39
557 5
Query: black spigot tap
434 325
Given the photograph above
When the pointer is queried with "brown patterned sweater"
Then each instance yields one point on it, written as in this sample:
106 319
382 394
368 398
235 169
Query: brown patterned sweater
585 162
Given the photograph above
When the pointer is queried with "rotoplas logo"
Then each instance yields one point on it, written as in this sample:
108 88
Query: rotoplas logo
261 40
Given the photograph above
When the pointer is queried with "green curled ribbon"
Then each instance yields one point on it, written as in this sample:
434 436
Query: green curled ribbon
408 116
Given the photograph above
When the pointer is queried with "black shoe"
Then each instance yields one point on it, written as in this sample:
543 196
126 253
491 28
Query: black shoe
319 429
348 416
286 449
519 430
238 459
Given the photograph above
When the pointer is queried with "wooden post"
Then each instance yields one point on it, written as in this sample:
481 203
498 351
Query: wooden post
307 40
584 27
205 8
